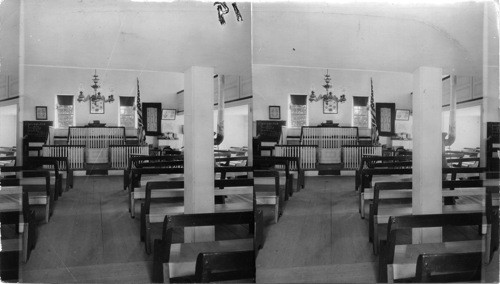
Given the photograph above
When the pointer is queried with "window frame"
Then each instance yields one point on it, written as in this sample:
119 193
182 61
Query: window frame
58 124
289 115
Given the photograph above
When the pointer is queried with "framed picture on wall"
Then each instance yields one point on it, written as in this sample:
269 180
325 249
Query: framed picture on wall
97 107
402 114
274 112
386 117
41 112
168 114
151 118
330 106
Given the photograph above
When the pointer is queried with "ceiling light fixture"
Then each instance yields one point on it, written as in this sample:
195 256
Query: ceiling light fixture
97 95
328 96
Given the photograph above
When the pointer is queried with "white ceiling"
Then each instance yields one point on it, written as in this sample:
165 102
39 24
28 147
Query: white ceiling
126 35
373 36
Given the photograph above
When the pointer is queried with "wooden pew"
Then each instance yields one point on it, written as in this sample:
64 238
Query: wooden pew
139 177
224 266
268 191
136 162
15 212
154 213
174 261
281 164
448 267
398 261
38 165
369 161
402 190
57 164
383 175
37 184
165 171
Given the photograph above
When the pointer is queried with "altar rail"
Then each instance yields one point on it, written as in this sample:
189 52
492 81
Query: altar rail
305 153
74 153
119 154
96 137
329 137
351 155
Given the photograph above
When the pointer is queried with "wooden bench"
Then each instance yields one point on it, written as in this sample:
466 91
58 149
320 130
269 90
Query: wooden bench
384 175
367 177
15 212
398 261
136 162
37 184
281 164
225 266
140 177
164 172
62 165
268 191
55 176
174 261
448 267
380 214
154 213
369 161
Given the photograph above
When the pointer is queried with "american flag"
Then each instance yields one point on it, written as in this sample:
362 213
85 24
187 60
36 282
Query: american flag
141 136
374 133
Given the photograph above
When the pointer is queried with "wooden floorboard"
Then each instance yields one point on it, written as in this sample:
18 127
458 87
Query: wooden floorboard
319 239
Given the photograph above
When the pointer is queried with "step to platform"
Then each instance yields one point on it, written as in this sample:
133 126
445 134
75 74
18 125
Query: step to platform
97 169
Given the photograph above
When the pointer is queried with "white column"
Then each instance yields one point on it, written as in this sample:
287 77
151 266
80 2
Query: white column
198 148
427 148
490 106
20 106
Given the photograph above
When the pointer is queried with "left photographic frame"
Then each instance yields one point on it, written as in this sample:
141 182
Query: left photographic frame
274 112
41 112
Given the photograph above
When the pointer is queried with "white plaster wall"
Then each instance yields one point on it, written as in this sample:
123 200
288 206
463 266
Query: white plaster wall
235 131
468 129
8 130
272 85
44 83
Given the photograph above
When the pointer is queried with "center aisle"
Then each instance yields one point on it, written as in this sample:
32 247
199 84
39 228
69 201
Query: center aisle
319 238
90 238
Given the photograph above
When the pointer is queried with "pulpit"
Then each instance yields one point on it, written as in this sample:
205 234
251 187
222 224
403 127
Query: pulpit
96 140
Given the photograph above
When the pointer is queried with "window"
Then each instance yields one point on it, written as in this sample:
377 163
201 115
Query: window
360 113
297 116
65 111
127 112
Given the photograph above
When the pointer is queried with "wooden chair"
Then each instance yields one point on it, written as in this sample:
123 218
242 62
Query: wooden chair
175 261
448 267
398 261
225 266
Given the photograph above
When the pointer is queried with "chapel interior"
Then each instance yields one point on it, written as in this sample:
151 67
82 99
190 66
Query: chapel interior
257 142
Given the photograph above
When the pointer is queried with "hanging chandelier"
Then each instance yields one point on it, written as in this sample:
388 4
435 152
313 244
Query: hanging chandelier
97 95
328 96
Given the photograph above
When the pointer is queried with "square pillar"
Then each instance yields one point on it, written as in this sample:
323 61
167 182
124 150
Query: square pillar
427 148
199 148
